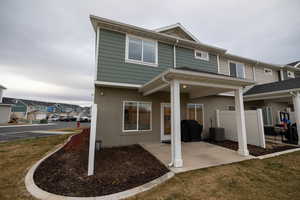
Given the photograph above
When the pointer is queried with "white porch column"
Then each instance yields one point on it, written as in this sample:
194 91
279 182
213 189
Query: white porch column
296 102
240 121
92 141
175 124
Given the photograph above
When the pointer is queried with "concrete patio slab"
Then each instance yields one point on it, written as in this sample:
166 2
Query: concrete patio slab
196 155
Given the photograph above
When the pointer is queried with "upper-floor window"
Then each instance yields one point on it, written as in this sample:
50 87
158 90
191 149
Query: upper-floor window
202 55
268 72
290 74
141 51
237 69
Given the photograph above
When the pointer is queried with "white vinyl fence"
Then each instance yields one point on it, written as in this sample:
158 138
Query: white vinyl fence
254 126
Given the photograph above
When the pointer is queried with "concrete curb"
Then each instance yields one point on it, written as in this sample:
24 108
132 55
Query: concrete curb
14 126
38 193
277 153
54 132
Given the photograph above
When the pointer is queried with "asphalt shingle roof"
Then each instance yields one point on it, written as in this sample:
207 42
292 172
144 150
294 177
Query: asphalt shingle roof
294 63
275 86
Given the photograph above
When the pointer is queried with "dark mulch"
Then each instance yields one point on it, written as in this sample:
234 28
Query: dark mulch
116 169
255 150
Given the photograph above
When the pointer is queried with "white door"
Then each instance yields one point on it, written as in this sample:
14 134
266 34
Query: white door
165 117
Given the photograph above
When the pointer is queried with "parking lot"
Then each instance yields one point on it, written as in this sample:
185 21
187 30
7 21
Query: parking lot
24 132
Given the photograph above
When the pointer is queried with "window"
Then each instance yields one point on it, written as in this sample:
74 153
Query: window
195 112
267 116
237 69
137 116
290 74
141 51
203 55
268 72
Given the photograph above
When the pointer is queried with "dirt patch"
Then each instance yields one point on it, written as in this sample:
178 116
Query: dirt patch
255 150
116 169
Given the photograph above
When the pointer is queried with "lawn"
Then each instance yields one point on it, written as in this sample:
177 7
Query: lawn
16 158
274 178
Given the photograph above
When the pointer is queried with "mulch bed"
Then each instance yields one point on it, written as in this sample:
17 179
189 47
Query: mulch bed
116 169
255 150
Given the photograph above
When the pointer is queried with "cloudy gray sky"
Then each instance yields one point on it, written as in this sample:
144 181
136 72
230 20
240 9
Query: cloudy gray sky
47 47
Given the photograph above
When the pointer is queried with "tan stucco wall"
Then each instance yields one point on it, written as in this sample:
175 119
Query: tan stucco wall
262 78
110 115
4 113
211 104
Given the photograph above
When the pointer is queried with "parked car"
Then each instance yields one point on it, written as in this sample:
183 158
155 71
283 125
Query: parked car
85 119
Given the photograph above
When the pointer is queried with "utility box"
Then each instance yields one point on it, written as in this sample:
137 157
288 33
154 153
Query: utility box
217 134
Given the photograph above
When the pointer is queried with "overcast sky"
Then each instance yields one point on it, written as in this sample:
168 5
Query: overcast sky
47 47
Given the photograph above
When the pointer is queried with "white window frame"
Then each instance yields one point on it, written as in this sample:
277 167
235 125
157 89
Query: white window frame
127 60
271 111
202 52
292 74
235 62
202 105
270 73
137 121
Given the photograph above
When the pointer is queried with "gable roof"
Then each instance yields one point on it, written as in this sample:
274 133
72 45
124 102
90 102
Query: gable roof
288 84
178 26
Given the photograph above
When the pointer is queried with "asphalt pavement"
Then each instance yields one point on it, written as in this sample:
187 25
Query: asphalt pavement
25 132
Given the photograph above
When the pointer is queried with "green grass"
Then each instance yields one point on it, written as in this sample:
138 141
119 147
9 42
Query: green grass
273 178
16 158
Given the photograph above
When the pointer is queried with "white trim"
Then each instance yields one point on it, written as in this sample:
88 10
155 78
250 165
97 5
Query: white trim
137 121
128 60
269 72
274 92
208 84
155 89
163 137
179 26
97 52
235 62
297 65
202 52
195 110
115 84
218 63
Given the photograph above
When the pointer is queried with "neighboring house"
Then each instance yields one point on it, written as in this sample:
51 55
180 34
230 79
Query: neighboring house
146 81
18 108
5 109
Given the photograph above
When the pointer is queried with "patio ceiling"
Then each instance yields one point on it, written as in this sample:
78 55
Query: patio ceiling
196 83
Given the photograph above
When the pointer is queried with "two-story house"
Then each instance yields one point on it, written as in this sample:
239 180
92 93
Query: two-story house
147 81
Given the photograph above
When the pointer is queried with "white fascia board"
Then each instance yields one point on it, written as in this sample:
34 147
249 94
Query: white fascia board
115 84
177 25
272 93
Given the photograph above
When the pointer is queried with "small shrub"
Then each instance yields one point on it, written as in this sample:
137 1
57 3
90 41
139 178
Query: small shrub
44 121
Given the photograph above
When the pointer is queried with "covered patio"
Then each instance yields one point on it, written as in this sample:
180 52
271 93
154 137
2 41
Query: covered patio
196 155
197 84
287 91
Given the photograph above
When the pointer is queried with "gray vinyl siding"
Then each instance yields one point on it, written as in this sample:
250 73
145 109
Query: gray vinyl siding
185 58
112 66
